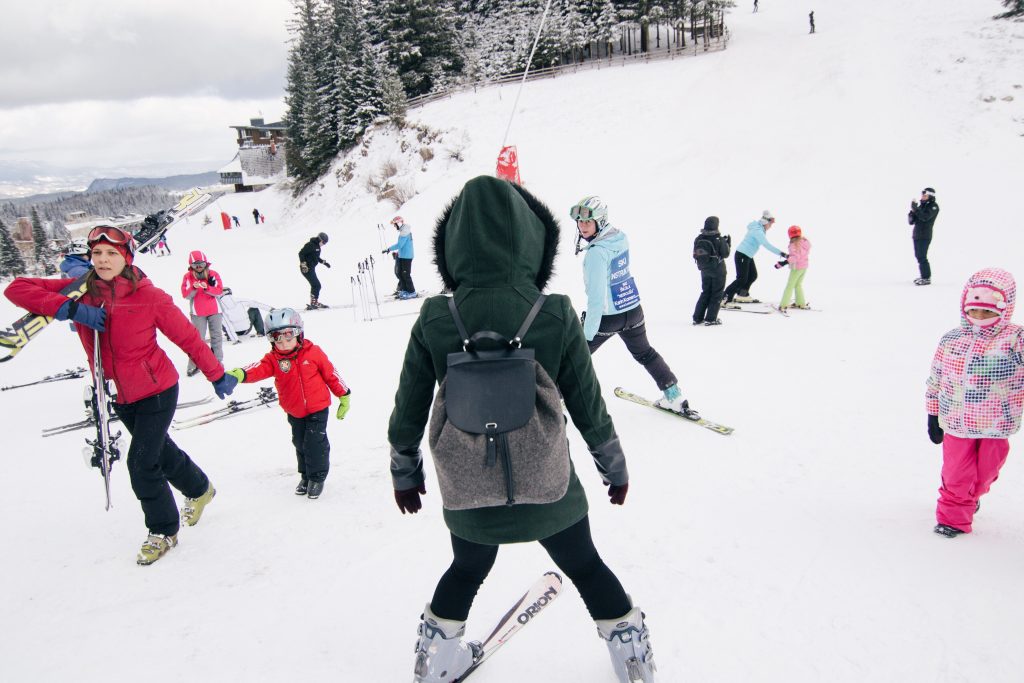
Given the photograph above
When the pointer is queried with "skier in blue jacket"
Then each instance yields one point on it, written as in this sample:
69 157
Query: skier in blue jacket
76 259
403 267
613 302
746 269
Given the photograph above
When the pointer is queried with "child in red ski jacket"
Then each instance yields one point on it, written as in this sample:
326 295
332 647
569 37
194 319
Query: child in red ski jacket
305 379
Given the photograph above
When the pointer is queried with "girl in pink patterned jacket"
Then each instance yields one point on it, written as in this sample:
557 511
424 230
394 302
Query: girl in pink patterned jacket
975 397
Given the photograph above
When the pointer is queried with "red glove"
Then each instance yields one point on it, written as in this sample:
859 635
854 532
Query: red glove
617 494
409 499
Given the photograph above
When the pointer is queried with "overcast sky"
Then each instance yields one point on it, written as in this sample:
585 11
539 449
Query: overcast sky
131 84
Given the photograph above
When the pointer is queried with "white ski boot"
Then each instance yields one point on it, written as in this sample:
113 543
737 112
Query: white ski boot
673 400
629 646
441 654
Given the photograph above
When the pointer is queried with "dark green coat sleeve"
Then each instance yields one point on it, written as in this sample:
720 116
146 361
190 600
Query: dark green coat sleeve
412 408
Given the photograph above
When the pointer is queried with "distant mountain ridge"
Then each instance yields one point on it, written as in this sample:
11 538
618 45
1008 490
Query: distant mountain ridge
174 182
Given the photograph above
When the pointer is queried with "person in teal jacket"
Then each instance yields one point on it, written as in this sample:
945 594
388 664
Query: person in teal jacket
495 247
403 265
613 302
746 269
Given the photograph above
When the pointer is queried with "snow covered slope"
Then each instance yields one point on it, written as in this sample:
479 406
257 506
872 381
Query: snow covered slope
798 549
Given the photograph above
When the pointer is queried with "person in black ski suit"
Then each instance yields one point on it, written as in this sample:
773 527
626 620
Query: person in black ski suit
256 216
710 250
309 259
922 216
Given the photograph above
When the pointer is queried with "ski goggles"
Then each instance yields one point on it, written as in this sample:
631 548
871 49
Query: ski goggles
581 213
286 334
109 233
199 264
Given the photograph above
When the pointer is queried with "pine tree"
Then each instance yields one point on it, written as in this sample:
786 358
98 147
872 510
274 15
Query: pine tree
11 262
420 39
43 253
1015 8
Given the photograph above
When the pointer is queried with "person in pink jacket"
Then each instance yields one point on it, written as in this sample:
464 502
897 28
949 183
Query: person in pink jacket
202 287
799 250
975 397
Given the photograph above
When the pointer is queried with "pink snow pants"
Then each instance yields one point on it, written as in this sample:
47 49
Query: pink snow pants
969 467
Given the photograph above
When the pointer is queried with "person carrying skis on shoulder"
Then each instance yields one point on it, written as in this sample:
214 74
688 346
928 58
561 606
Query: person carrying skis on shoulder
147 384
309 259
202 286
922 216
746 269
710 250
975 397
495 248
76 259
613 302
403 266
305 379
799 251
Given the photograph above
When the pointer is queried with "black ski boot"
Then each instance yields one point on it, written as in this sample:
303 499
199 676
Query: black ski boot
947 531
303 486
315 489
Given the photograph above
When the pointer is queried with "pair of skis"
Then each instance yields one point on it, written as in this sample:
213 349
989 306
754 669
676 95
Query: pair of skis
265 397
89 421
74 373
526 609
692 416
102 451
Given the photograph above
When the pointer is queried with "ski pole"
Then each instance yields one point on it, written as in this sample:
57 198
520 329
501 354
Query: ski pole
373 282
352 283
363 296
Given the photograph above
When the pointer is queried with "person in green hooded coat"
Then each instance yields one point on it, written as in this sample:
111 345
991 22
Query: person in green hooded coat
495 247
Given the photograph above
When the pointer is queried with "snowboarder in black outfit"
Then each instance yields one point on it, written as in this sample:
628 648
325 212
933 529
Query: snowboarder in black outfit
811 17
710 250
309 259
256 216
922 216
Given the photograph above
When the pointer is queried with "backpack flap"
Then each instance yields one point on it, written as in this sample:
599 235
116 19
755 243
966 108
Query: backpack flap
496 388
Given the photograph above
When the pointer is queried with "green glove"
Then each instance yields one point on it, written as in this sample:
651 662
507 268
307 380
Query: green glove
343 406
237 373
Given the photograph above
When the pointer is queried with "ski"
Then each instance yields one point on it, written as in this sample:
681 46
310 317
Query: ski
89 421
74 373
525 610
779 310
24 329
265 397
737 309
104 449
695 418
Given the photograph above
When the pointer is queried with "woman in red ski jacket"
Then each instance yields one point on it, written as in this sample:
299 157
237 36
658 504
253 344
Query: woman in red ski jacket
127 309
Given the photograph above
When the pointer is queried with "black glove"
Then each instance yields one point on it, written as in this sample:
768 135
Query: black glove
212 280
583 318
617 494
326 264
784 255
781 264
935 432
409 499
383 251
913 204
728 239
304 267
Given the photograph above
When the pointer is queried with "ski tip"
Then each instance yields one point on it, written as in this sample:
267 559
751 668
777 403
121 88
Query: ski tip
554 575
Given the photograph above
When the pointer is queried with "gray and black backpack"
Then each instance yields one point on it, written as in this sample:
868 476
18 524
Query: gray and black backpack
497 432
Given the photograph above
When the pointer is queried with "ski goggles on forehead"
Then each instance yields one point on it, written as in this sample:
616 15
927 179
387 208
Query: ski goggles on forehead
110 234
284 335
581 213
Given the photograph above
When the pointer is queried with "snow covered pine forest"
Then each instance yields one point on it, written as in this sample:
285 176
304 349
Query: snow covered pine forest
797 549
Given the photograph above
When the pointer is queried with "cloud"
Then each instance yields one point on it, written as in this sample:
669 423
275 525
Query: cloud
161 133
57 51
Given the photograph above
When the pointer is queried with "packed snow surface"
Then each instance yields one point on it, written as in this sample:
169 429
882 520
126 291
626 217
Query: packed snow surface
797 549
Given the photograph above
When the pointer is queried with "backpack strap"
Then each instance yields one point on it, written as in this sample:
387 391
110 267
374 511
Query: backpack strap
469 342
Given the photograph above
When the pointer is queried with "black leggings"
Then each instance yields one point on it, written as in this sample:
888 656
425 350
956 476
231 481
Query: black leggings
314 283
155 463
630 327
573 552
746 275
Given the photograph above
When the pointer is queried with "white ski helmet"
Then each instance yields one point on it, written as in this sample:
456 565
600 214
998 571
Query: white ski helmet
78 246
590 209
282 319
